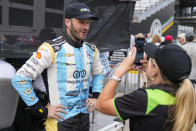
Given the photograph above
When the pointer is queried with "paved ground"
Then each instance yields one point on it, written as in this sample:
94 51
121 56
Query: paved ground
194 128
103 121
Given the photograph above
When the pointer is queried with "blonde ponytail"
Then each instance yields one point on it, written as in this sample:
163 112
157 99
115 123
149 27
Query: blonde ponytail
184 110
183 114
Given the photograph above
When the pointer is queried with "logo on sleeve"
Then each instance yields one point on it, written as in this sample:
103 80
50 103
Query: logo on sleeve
23 82
32 98
28 91
38 55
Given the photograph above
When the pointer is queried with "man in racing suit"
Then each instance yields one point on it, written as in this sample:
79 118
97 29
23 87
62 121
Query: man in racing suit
69 60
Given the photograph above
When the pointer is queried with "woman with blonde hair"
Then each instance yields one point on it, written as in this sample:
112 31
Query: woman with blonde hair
156 39
168 103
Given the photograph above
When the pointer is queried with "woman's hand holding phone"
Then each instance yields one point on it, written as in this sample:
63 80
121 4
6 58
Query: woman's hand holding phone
128 63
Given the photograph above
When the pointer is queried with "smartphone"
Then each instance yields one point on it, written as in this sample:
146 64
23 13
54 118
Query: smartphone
139 44
139 56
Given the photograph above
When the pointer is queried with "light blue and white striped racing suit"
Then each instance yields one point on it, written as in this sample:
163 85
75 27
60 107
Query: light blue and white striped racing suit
68 71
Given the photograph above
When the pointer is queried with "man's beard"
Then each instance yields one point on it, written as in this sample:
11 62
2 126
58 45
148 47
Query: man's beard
74 33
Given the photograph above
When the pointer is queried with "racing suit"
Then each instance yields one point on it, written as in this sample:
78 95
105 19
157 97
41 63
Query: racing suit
68 65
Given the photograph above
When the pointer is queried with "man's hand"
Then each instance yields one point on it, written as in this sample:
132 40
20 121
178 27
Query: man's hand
90 104
54 111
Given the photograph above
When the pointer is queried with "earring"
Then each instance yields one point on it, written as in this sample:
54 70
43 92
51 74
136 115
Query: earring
152 78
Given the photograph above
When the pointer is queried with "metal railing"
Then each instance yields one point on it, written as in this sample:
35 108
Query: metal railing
144 5
145 8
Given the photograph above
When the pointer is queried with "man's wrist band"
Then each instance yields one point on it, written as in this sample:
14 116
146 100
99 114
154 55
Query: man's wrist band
115 78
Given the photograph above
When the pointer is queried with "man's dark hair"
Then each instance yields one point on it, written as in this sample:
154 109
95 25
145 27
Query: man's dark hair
189 36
